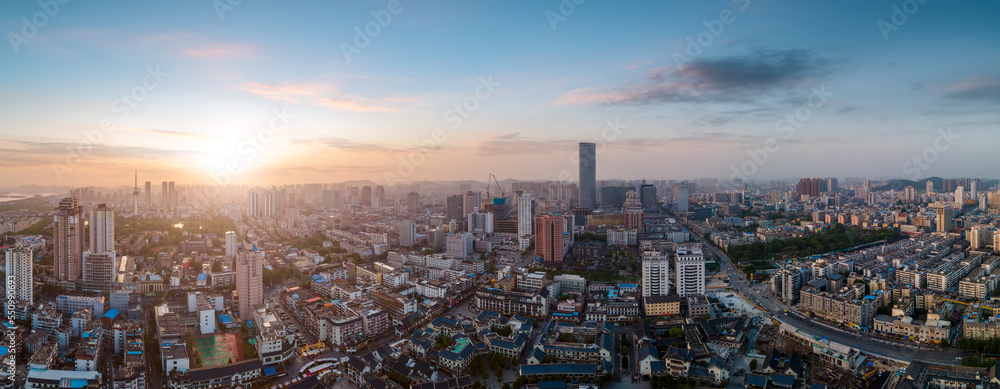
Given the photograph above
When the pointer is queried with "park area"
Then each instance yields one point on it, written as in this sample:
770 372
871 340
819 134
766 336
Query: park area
217 349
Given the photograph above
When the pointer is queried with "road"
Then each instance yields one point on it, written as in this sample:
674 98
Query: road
904 351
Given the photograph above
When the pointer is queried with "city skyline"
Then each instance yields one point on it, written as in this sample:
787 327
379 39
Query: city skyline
676 90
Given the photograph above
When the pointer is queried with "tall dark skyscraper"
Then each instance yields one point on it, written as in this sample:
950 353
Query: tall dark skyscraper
453 208
588 175
648 195
366 196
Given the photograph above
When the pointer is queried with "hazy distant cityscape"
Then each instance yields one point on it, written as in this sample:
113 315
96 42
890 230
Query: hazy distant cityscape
563 194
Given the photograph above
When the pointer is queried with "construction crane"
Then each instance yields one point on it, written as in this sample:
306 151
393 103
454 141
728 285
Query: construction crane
502 194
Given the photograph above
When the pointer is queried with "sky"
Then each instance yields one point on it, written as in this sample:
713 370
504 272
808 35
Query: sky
267 92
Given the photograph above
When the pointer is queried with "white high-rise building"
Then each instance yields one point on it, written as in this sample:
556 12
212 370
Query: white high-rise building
407 234
681 195
102 229
480 222
460 245
974 189
231 244
960 198
525 214
261 204
655 274
19 275
690 271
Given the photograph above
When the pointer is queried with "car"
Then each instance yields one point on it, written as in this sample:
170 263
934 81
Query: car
958 358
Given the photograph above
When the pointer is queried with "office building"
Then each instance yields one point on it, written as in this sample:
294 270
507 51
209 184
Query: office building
460 245
647 193
930 187
102 229
588 175
690 277
549 239
407 234
471 203
525 214
19 265
366 196
635 217
960 198
413 202
99 271
655 274
613 197
453 209
249 279
68 244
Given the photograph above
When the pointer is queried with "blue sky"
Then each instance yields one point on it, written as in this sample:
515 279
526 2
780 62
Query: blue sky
221 80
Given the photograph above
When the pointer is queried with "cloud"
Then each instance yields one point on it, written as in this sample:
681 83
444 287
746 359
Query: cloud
515 144
349 145
320 95
176 134
220 50
739 78
980 93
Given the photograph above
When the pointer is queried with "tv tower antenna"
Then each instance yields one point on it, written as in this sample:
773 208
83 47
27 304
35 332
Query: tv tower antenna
135 194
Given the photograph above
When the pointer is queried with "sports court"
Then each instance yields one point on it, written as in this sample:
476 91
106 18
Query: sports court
218 349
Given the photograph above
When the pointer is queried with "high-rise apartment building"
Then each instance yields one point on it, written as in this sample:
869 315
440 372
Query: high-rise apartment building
588 175
944 216
413 202
68 241
525 214
249 279
149 195
173 196
655 274
930 187
690 274
407 234
960 198
480 223
99 269
681 196
102 229
231 244
549 239
20 282
262 204
165 196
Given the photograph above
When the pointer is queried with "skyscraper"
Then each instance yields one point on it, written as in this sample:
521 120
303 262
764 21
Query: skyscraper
525 214
412 202
480 222
930 187
690 271
455 208
380 191
944 216
20 284
635 217
68 245
960 198
471 203
549 239
655 274
231 245
681 194
99 271
249 279
102 229
366 196
648 195
165 197
149 195
172 203
588 175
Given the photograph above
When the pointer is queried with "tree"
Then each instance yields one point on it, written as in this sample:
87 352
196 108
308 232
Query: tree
675 332
753 364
